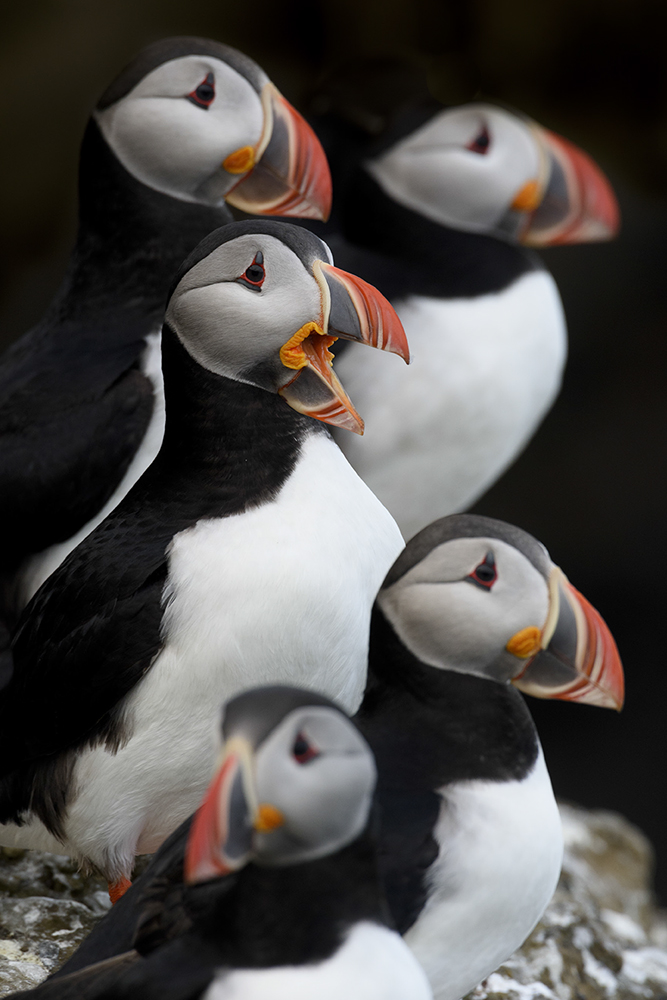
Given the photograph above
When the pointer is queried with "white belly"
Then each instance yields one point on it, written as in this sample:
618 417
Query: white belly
484 373
372 964
501 855
40 566
280 594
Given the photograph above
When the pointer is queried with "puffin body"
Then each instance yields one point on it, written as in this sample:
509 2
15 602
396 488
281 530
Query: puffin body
83 411
436 220
249 550
279 893
471 841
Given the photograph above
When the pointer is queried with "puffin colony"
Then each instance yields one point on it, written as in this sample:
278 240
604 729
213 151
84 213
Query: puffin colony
216 646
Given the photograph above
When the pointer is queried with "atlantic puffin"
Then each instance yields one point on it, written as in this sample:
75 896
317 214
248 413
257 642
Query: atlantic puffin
472 613
189 125
280 892
440 215
250 551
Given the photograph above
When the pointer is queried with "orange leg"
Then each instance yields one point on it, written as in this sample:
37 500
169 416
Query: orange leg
118 889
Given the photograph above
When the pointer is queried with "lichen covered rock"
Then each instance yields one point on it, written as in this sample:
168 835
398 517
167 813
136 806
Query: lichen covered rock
601 936
47 906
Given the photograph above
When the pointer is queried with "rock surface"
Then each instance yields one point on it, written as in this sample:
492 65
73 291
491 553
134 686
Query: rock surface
602 937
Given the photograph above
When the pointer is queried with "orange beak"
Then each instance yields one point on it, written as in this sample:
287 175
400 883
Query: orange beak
351 309
576 203
578 659
220 836
289 173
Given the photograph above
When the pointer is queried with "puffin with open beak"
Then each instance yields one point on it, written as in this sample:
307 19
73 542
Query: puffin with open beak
440 215
280 894
249 552
189 126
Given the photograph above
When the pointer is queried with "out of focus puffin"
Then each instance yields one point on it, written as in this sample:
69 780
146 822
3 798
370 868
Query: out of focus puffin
250 551
437 218
299 912
187 126
471 843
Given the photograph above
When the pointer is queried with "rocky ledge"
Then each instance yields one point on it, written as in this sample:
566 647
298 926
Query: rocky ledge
602 937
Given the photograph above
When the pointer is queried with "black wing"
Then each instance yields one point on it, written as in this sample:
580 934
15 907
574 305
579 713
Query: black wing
83 642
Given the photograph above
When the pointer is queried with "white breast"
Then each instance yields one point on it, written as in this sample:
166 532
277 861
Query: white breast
282 593
484 372
372 964
41 565
500 857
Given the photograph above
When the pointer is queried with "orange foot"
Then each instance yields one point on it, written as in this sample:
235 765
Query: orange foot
118 889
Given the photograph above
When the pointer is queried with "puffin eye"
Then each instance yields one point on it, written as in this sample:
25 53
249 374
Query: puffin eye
204 94
253 276
480 144
484 575
303 751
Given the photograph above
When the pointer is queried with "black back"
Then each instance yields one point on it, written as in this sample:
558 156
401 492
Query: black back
95 625
74 406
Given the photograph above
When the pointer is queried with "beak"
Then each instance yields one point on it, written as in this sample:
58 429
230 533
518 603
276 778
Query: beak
573 202
577 659
289 173
351 309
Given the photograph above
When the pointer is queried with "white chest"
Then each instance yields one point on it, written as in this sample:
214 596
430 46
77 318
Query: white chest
500 858
40 566
280 594
372 964
484 372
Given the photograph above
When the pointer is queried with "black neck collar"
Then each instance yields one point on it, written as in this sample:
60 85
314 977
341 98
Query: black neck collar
292 915
131 239
417 256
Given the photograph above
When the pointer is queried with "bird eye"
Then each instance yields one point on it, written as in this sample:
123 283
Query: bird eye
253 276
204 94
303 751
480 144
484 575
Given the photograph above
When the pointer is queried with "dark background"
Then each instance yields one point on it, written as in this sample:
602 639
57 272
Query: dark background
591 485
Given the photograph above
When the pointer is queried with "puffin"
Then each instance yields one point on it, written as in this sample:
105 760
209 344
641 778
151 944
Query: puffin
279 893
441 215
472 615
188 127
249 552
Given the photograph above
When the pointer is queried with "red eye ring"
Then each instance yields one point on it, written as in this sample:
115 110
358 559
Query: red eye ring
481 143
254 275
303 751
485 573
204 94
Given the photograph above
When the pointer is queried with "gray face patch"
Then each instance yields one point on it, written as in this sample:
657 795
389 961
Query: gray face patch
450 622
231 329
326 799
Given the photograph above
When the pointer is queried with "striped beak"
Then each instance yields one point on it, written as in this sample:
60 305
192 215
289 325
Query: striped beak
222 832
572 203
288 171
574 657
351 309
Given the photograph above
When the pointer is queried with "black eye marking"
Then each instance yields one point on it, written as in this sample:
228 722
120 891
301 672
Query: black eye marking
204 94
484 575
253 276
480 144
303 751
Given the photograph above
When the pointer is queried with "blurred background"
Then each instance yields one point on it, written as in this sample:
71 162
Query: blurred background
591 485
